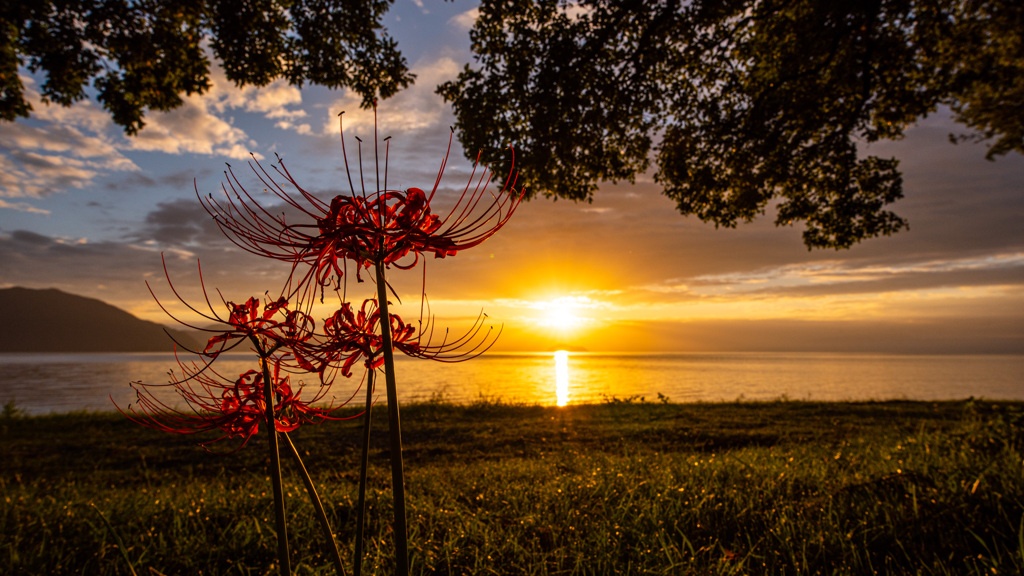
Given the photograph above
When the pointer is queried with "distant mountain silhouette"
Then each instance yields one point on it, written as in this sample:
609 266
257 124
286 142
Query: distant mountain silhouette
55 321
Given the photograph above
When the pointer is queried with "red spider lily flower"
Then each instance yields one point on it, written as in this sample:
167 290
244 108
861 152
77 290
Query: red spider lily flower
235 407
246 321
270 324
384 227
351 336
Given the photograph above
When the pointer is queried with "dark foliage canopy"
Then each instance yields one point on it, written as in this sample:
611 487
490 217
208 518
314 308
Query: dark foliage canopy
745 104
144 54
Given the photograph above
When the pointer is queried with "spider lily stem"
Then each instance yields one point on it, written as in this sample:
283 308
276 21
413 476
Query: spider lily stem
357 561
314 499
275 461
394 427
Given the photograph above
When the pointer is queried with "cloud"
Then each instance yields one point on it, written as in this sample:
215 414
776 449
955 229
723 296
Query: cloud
179 223
413 109
62 148
465 21
27 174
830 272
83 115
63 138
22 207
28 258
37 162
418 119
303 129
275 100
824 277
192 128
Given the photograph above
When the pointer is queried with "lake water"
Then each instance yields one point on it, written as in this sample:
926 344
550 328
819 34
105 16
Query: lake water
44 383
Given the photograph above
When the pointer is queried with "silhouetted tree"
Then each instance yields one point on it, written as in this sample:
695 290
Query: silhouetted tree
743 102
144 54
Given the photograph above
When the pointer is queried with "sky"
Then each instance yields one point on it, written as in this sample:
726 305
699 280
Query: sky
88 210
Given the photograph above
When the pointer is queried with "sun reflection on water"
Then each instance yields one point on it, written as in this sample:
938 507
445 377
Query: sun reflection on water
562 377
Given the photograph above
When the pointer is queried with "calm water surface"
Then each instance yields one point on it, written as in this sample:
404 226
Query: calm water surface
43 383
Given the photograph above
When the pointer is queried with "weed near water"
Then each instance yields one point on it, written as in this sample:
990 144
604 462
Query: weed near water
617 488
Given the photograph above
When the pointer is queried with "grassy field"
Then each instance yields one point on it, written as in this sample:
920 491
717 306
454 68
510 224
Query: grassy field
618 488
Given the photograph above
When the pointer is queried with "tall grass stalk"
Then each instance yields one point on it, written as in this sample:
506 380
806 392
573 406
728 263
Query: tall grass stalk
117 538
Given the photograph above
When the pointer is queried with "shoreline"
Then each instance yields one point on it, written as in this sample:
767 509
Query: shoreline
11 409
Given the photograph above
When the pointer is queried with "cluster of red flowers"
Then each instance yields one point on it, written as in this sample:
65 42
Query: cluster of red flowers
246 323
354 335
381 229
235 407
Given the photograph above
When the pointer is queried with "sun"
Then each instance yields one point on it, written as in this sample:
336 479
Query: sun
561 318
561 314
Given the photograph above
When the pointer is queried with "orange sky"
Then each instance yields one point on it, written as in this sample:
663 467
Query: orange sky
627 273
87 210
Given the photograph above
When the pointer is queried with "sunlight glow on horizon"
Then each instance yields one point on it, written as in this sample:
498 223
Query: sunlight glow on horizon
645 316
562 314
567 315
561 319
